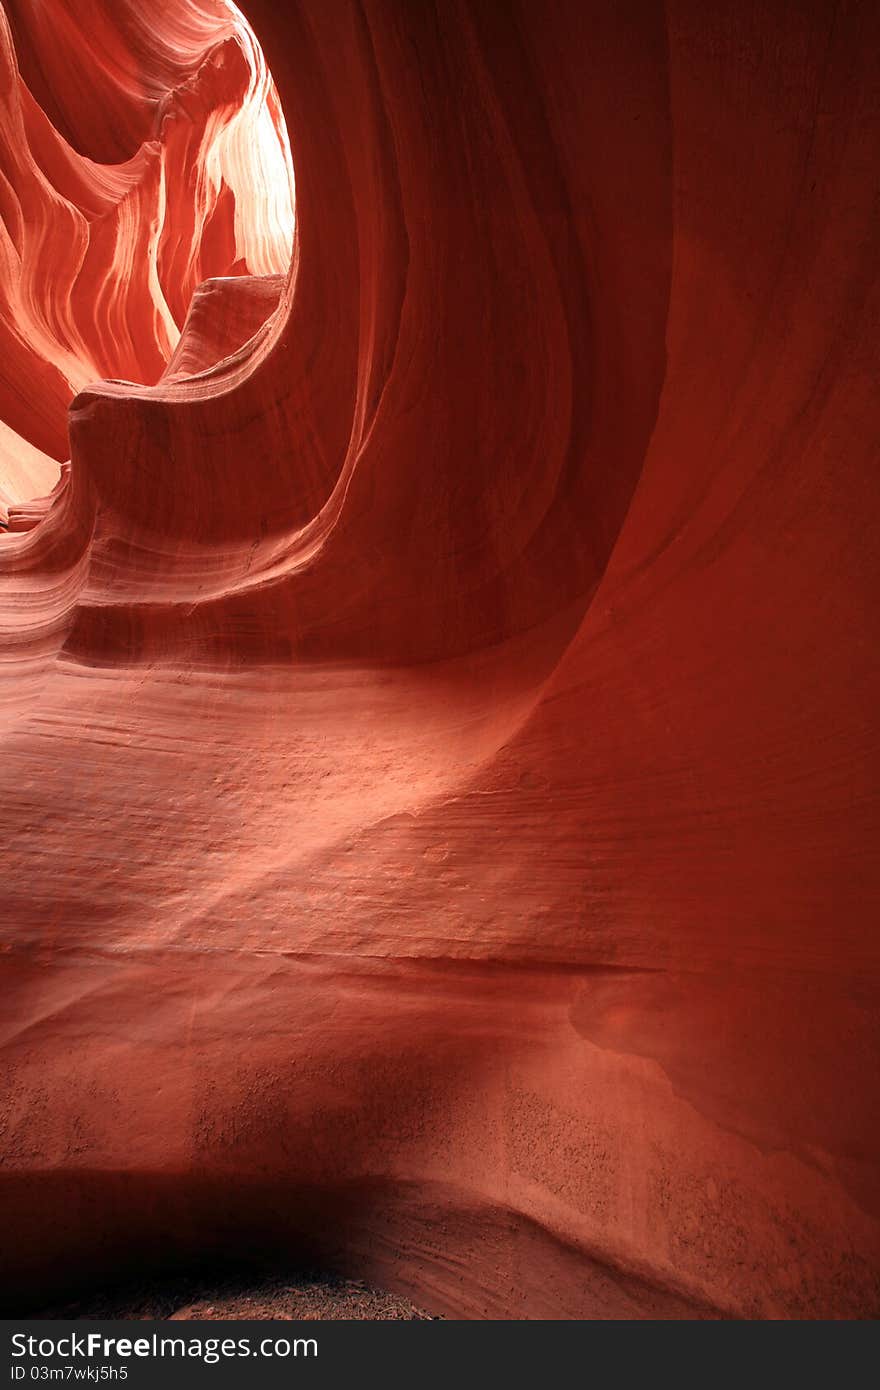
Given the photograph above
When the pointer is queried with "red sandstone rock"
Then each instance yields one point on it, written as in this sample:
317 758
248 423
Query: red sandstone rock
99 261
439 713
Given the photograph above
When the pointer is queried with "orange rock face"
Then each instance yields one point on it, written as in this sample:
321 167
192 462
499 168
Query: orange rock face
99 260
438 701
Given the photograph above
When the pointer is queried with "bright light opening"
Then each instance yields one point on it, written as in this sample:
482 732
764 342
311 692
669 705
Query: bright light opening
99 262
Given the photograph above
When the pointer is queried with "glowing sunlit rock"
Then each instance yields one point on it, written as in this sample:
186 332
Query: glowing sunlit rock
438 704
98 262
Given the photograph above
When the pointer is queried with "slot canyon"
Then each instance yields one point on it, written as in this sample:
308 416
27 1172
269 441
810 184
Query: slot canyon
439 658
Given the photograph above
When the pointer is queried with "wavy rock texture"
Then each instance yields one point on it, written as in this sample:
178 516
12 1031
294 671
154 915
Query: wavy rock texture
170 164
439 715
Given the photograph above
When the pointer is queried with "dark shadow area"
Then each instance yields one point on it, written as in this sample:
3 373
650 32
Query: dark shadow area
154 1238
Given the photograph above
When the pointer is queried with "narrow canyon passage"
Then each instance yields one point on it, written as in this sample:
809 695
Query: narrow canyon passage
169 163
438 650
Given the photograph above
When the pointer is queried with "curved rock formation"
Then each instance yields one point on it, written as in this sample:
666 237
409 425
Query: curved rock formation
439 710
99 260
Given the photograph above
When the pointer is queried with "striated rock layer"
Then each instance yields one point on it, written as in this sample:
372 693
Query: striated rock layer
439 755
171 164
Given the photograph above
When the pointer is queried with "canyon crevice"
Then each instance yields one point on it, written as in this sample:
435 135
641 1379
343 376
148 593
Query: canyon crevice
439 679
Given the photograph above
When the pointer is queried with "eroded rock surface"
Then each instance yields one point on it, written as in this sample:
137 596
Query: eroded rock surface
439 749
